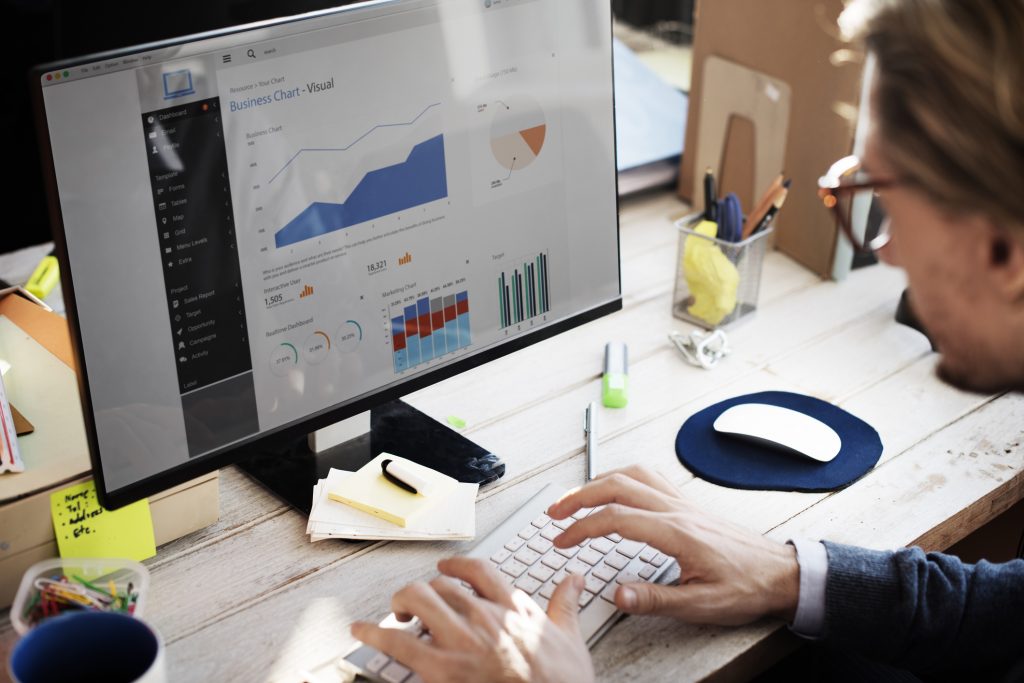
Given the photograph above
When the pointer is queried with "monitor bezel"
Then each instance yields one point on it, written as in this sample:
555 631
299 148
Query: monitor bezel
284 433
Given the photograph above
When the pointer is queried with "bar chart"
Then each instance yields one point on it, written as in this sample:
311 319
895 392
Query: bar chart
523 292
429 328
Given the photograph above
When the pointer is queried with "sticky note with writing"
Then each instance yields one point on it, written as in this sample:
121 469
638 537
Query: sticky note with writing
85 529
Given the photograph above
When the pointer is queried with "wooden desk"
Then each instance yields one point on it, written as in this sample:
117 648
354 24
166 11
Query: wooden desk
250 598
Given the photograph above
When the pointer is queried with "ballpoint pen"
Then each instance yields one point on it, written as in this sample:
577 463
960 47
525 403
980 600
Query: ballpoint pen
710 196
590 430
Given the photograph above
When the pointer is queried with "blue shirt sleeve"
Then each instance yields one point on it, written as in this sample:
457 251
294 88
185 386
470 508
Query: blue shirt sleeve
929 613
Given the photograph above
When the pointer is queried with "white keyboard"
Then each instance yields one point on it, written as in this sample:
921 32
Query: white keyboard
521 549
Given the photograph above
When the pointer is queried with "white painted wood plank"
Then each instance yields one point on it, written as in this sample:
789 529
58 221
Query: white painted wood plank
862 353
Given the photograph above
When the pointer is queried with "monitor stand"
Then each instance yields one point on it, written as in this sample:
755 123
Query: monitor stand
291 470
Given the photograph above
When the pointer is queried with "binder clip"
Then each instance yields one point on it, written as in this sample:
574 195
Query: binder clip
703 349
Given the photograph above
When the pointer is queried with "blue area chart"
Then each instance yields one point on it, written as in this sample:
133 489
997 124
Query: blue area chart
420 179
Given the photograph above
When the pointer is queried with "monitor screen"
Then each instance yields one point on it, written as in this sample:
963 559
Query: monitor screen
279 225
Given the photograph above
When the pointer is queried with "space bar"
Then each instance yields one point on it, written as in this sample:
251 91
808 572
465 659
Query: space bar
594 616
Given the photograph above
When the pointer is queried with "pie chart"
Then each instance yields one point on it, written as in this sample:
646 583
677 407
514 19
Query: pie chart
518 132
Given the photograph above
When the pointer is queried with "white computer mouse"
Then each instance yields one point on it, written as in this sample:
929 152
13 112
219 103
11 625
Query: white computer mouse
787 430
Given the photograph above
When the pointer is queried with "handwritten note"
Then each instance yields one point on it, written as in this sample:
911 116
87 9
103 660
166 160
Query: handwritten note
85 529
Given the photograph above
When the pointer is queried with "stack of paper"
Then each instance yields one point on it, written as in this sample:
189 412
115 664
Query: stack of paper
450 518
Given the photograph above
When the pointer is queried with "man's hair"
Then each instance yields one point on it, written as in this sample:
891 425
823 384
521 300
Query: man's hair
949 97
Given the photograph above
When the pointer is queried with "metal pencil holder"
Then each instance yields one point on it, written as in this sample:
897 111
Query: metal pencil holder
717 282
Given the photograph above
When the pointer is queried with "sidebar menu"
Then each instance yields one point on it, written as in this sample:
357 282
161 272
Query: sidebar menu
199 256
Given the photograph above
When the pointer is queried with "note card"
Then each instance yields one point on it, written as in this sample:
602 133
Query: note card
85 529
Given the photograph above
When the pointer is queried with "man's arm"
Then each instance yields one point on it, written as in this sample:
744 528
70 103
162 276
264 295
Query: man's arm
931 614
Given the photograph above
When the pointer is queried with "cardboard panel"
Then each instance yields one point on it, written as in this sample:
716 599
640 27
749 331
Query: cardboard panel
793 42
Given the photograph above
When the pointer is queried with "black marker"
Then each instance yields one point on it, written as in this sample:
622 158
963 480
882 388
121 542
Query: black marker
401 477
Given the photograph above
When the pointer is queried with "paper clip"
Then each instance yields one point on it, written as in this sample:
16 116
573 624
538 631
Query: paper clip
703 349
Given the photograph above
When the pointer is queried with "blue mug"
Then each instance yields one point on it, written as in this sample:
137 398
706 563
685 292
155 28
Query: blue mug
90 646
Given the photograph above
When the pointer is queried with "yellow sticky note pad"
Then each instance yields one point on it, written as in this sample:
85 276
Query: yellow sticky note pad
369 491
85 529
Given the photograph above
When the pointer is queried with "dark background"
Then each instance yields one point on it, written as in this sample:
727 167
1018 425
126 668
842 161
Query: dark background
39 31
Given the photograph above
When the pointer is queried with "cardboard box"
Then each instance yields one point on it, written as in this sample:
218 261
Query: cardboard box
43 385
793 42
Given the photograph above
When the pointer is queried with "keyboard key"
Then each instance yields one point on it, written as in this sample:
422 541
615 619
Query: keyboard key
554 560
514 568
647 572
541 521
659 559
613 537
528 585
377 662
563 523
559 576
415 679
542 601
609 592
550 532
581 513
547 591
515 544
543 573
567 552
629 548
394 673
594 584
648 553
528 533
500 556
617 561
508 578
527 556
585 598
590 556
602 545
577 567
604 572
539 545
631 574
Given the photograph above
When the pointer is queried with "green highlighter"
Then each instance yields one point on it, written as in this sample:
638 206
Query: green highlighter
613 385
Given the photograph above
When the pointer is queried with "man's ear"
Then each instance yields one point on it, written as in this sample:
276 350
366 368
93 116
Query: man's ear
1006 260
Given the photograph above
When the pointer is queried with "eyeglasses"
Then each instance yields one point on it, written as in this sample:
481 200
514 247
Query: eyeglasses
844 181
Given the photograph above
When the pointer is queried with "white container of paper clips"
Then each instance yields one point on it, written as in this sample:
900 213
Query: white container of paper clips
717 282
56 586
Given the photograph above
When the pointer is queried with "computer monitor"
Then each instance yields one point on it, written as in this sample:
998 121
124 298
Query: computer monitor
268 229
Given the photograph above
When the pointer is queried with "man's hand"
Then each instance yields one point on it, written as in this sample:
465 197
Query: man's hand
728 575
496 635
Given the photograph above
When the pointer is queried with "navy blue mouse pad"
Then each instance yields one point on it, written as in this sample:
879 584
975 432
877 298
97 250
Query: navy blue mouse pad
739 464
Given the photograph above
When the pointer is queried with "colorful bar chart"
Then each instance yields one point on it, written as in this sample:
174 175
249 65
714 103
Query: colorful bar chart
523 293
430 328
420 179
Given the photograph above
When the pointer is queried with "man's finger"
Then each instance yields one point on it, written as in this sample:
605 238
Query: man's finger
648 475
477 611
421 600
691 602
653 528
563 610
612 488
481 575
402 645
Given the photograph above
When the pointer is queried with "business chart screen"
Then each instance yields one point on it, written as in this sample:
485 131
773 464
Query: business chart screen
267 224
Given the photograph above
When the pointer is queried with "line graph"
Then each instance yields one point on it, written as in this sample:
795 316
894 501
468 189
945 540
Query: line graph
353 143
420 179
